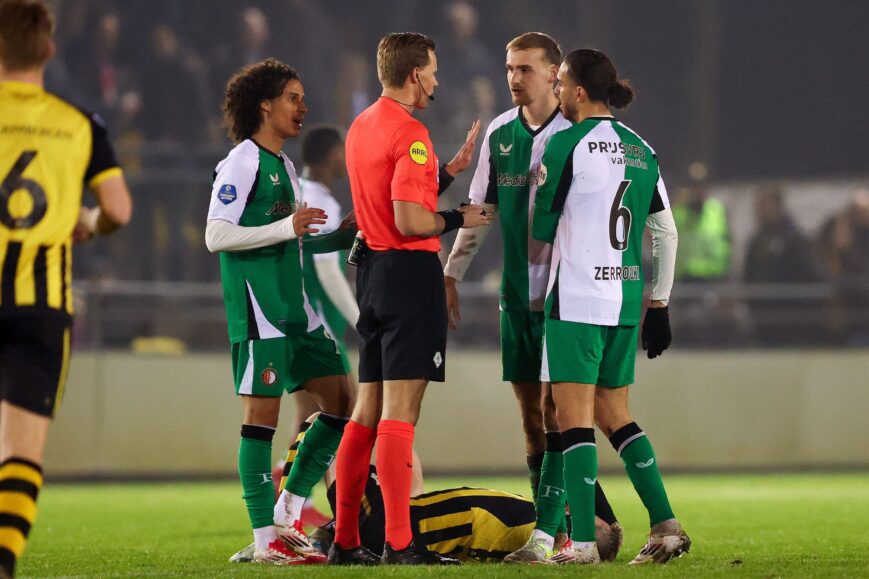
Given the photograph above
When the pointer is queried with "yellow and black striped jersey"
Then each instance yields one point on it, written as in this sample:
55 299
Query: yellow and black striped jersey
471 523
467 523
49 150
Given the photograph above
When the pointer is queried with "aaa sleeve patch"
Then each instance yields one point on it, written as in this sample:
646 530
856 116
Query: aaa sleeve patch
418 153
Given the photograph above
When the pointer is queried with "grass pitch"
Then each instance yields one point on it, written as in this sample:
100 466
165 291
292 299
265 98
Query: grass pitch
741 526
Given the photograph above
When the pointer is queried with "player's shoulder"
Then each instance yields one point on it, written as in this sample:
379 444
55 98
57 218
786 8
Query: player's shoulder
245 155
504 118
635 135
560 122
63 111
65 106
568 137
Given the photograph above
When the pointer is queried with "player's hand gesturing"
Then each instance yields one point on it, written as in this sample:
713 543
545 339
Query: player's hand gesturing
349 222
305 217
475 215
463 158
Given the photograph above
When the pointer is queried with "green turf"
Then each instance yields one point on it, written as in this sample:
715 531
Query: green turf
741 526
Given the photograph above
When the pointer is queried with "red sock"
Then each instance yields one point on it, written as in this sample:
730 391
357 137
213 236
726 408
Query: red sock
351 474
394 468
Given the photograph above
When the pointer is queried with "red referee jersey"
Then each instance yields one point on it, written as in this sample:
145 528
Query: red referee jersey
390 158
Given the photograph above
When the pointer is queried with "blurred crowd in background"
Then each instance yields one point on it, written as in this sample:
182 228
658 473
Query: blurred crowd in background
772 211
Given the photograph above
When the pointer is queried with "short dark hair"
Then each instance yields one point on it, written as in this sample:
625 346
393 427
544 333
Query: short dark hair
595 72
245 91
398 53
319 142
26 28
530 40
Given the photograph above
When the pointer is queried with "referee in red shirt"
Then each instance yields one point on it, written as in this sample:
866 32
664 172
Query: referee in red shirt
400 289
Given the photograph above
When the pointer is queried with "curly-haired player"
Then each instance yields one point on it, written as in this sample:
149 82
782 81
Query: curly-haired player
278 342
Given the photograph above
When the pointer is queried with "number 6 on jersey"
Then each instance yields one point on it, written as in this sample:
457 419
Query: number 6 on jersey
619 211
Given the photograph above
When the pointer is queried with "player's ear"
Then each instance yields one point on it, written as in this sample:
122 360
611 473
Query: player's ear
265 106
553 73
50 50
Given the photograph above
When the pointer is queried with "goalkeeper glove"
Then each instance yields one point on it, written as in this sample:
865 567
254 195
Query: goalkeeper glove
656 336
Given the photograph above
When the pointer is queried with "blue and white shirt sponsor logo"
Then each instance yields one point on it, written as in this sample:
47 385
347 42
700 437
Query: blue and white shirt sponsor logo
227 194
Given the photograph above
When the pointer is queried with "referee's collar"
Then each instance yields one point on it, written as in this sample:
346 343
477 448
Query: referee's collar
392 103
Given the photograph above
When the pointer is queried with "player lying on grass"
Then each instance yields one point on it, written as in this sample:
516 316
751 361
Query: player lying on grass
467 523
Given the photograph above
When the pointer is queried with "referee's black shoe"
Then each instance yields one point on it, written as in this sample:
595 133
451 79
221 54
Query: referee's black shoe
355 556
414 555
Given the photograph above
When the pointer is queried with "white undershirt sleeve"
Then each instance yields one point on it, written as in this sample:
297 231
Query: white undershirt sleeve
466 246
336 287
222 235
665 239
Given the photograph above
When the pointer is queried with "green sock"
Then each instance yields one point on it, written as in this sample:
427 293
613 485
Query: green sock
535 464
642 468
316 452
255 472
550 494
580 476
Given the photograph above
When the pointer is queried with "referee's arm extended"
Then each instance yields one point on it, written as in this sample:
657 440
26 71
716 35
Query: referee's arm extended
412 219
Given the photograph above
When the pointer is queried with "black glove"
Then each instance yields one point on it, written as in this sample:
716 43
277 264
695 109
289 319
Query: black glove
656 336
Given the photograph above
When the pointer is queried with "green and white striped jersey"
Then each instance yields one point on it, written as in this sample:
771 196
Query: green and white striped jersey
262 288
598 184
506 175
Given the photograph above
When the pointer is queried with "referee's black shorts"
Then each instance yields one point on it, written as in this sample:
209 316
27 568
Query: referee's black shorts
402 316
34 358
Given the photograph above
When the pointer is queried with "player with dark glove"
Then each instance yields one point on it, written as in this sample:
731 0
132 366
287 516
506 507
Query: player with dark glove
656 336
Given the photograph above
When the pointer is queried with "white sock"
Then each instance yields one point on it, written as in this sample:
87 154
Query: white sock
288 509
582 545
281 508
548 539
263 536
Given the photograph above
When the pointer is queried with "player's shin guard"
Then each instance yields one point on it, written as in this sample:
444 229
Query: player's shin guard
351 474
291 454
642 468
20 481
316 452
395 468
551 496
580 476
255 472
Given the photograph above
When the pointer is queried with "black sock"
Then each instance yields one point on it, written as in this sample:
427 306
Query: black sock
602 506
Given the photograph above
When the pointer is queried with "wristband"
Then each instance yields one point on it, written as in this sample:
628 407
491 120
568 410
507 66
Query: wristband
444 179
453 219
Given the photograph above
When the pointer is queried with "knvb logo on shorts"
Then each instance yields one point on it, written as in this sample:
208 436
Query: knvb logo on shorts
227 194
